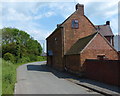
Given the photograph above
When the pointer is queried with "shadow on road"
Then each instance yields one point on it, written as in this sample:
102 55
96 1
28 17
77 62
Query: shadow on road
44 68
38 68
66 75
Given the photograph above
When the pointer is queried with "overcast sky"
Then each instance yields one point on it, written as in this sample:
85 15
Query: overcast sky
39 19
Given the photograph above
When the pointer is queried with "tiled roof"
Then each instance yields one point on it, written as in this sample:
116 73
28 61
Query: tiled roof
105 30
80 45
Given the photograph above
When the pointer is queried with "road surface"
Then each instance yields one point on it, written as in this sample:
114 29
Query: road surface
37 78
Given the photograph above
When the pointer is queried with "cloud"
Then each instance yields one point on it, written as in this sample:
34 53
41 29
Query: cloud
102 9
64 9
114 25
14 15
38 18
82 1
111 13
39 34
100 12
36 1
47 14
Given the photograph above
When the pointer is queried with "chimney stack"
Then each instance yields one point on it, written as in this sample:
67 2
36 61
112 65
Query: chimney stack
107 22
80 8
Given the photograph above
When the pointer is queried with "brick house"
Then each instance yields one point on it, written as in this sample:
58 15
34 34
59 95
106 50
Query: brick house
78 39
94 46
106 31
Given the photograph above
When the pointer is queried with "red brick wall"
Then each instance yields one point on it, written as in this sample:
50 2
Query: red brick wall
72 63
107 71
98 46
54 43
72 35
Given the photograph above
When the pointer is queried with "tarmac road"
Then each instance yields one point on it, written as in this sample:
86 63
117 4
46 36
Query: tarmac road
37 78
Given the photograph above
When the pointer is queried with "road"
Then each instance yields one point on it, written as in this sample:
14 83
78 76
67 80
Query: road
37 78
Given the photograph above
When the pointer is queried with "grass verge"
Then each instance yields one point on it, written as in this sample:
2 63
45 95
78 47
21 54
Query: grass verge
0 77
9 76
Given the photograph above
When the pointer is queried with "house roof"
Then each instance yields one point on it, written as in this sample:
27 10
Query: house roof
54 32
60 25
80 45
105 30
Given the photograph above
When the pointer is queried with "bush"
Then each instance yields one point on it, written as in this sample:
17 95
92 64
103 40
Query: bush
41 58
23 60
32 57
9 57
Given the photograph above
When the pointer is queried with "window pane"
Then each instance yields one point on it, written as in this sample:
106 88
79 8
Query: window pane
72 23
75 24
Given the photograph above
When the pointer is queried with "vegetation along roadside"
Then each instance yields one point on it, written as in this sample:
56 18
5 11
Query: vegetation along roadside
18 48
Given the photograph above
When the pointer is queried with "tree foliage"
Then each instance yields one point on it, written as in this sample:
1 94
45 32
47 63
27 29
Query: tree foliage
20 44
9 57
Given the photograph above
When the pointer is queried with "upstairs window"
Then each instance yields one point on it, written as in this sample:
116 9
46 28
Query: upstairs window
75 24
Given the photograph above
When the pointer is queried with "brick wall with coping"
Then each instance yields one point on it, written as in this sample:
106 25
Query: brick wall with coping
106 71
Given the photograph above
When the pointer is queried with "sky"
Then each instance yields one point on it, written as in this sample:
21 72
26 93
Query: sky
39 19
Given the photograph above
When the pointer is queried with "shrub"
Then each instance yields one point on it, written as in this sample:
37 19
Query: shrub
32 57
41 58
9 57
23 60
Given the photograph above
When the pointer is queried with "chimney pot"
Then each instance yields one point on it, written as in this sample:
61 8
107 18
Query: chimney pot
58 25
80 8
107 22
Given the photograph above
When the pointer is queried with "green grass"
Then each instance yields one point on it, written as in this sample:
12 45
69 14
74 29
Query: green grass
9 75
0 76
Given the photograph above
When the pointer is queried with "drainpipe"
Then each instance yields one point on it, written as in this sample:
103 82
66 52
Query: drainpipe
63 54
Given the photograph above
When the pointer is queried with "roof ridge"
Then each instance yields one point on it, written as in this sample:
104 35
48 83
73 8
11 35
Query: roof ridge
105 30
101 25
80 44
108 42
89 35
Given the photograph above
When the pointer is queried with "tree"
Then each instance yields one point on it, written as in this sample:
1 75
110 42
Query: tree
19 43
